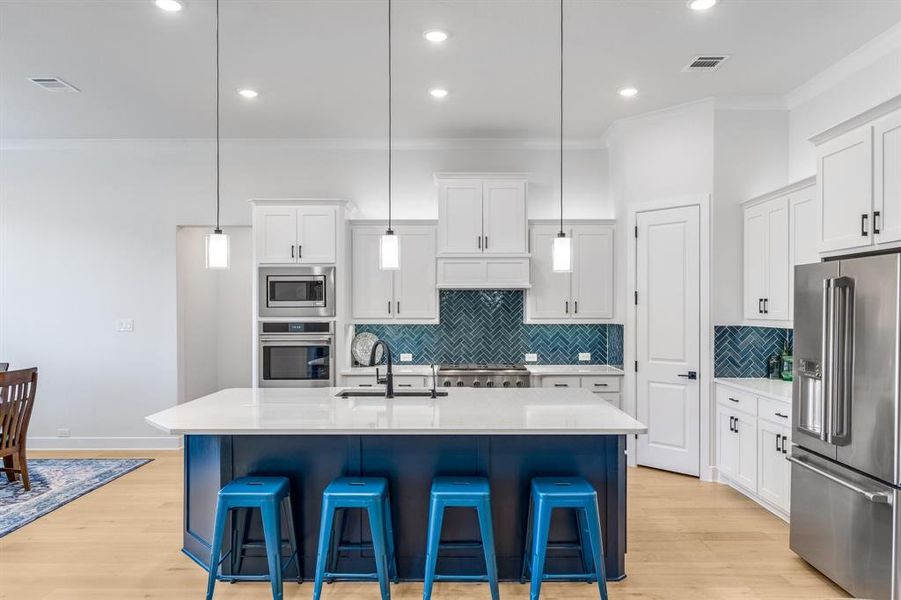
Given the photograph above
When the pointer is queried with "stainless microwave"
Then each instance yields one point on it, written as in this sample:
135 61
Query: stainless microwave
297 291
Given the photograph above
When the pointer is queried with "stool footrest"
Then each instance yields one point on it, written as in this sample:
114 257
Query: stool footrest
567 577
460 545
350 576
439 577
354 546
564 546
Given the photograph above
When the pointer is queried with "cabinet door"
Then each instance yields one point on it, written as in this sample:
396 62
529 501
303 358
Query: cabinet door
746 471
771 464
756 259
802 220
414 284
275 229
887 179
776 300
460 216
549 296
845 190
504 217
726 443
371 288
592 279
316 234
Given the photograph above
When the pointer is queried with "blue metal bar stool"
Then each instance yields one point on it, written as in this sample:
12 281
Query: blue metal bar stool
271 496
467 492
370 494
573 493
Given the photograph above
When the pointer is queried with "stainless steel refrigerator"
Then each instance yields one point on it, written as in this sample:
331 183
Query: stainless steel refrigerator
845 455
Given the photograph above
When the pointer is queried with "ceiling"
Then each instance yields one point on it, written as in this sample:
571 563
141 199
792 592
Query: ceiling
320 66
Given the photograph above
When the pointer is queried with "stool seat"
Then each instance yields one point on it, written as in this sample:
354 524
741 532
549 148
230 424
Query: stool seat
363 487
256 486
460 487
563 488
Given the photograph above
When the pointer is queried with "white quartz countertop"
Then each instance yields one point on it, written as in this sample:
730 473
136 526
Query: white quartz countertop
771 388
465 411
541 370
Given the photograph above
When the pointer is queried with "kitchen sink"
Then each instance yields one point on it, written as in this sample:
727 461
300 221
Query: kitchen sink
355 393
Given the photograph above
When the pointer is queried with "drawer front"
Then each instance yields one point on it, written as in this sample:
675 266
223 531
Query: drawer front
614 399
602 384
359 381
410 381
736 399
400 381
774 411
560 382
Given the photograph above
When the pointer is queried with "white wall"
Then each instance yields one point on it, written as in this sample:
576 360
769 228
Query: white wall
88 236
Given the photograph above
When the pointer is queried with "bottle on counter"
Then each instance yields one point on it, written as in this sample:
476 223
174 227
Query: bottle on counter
774 366
787 362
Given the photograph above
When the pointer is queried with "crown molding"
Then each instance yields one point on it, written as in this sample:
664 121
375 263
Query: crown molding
785 189
615 128
759 102
834 74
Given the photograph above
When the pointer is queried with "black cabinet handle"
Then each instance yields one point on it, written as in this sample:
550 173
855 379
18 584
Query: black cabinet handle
732 424
784 439
778 440
404 385
766 306
875 222
292 250
734 400
389 307
863 225
299 251
760 306
736 424
576 306
779 414
398 307
480 242
486 242
566 304
561 385
601 384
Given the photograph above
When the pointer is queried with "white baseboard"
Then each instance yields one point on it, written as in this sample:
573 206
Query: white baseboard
104 443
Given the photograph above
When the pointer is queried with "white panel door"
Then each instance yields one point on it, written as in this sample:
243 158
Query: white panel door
776 301
668 338
549 296
592 280
414 284
504 217
371 288
755 262
845 190
316 234
275 229
460 216
887 179
772 483
802 220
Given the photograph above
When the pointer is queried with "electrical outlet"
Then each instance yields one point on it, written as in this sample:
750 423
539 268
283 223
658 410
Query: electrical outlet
63 432
584 356
406 357
531 357
125 325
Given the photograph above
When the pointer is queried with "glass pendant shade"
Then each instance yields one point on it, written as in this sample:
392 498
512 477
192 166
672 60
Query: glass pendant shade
389 252
562 255
217 250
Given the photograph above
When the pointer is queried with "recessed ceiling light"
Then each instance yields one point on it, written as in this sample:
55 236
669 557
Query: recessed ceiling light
628 92
170 5
701 4
435 36
248 93
438 92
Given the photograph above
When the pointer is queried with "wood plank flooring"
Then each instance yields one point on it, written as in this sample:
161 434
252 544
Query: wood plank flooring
687 539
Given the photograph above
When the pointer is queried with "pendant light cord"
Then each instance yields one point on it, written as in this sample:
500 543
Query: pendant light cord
218 230
562 234
390 93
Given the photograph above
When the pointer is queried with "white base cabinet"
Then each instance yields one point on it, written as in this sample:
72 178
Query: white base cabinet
605 387
753 438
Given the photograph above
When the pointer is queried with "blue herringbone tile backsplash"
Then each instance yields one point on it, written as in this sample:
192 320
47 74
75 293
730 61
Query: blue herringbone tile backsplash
486 326
743 351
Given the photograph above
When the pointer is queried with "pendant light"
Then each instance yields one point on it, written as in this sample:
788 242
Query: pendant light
217 245
562 250
389 244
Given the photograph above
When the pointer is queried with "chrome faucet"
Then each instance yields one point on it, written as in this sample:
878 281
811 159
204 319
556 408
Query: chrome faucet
389 376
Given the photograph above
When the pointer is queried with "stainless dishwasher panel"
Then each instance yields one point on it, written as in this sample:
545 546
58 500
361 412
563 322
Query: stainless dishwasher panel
842 524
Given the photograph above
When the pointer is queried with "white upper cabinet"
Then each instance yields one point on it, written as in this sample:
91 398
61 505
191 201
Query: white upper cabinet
296 234
859 181
585 294
887 179
408 294
481 215
779 232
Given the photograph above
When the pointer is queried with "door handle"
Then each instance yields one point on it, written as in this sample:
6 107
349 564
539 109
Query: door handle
863 225
689 375
876 497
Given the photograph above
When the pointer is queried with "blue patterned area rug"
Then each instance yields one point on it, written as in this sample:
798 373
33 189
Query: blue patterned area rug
55 482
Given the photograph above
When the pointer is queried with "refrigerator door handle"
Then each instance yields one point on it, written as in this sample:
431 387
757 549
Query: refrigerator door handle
842 341
875 497
826 360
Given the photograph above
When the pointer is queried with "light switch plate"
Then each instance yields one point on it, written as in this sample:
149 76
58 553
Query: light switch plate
531 357
125 325
406 357
584 356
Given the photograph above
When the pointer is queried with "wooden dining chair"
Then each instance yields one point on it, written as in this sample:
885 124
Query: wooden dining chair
17 390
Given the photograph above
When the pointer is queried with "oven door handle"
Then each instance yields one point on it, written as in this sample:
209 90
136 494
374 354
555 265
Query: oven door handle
285 340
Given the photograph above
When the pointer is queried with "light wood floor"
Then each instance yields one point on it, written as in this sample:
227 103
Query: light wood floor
687 539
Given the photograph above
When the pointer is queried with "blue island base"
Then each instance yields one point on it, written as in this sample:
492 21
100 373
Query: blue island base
409 462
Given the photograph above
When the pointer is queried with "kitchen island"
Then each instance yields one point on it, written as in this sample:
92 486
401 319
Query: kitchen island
312 436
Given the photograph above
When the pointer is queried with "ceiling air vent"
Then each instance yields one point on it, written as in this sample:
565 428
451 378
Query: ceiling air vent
706 62
53 84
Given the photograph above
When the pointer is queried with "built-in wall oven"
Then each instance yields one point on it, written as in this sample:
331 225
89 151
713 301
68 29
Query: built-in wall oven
297 291
297 354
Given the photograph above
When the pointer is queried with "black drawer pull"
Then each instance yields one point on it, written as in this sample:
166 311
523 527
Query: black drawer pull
779 414
404 385
601 385
561 385
734 400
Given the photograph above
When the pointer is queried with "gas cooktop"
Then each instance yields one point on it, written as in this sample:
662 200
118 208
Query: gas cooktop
483 374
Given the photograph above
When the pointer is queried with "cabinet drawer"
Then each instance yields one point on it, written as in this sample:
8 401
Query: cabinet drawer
601 384
614 399
400 381
736 399
560 382
410 381
774 411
